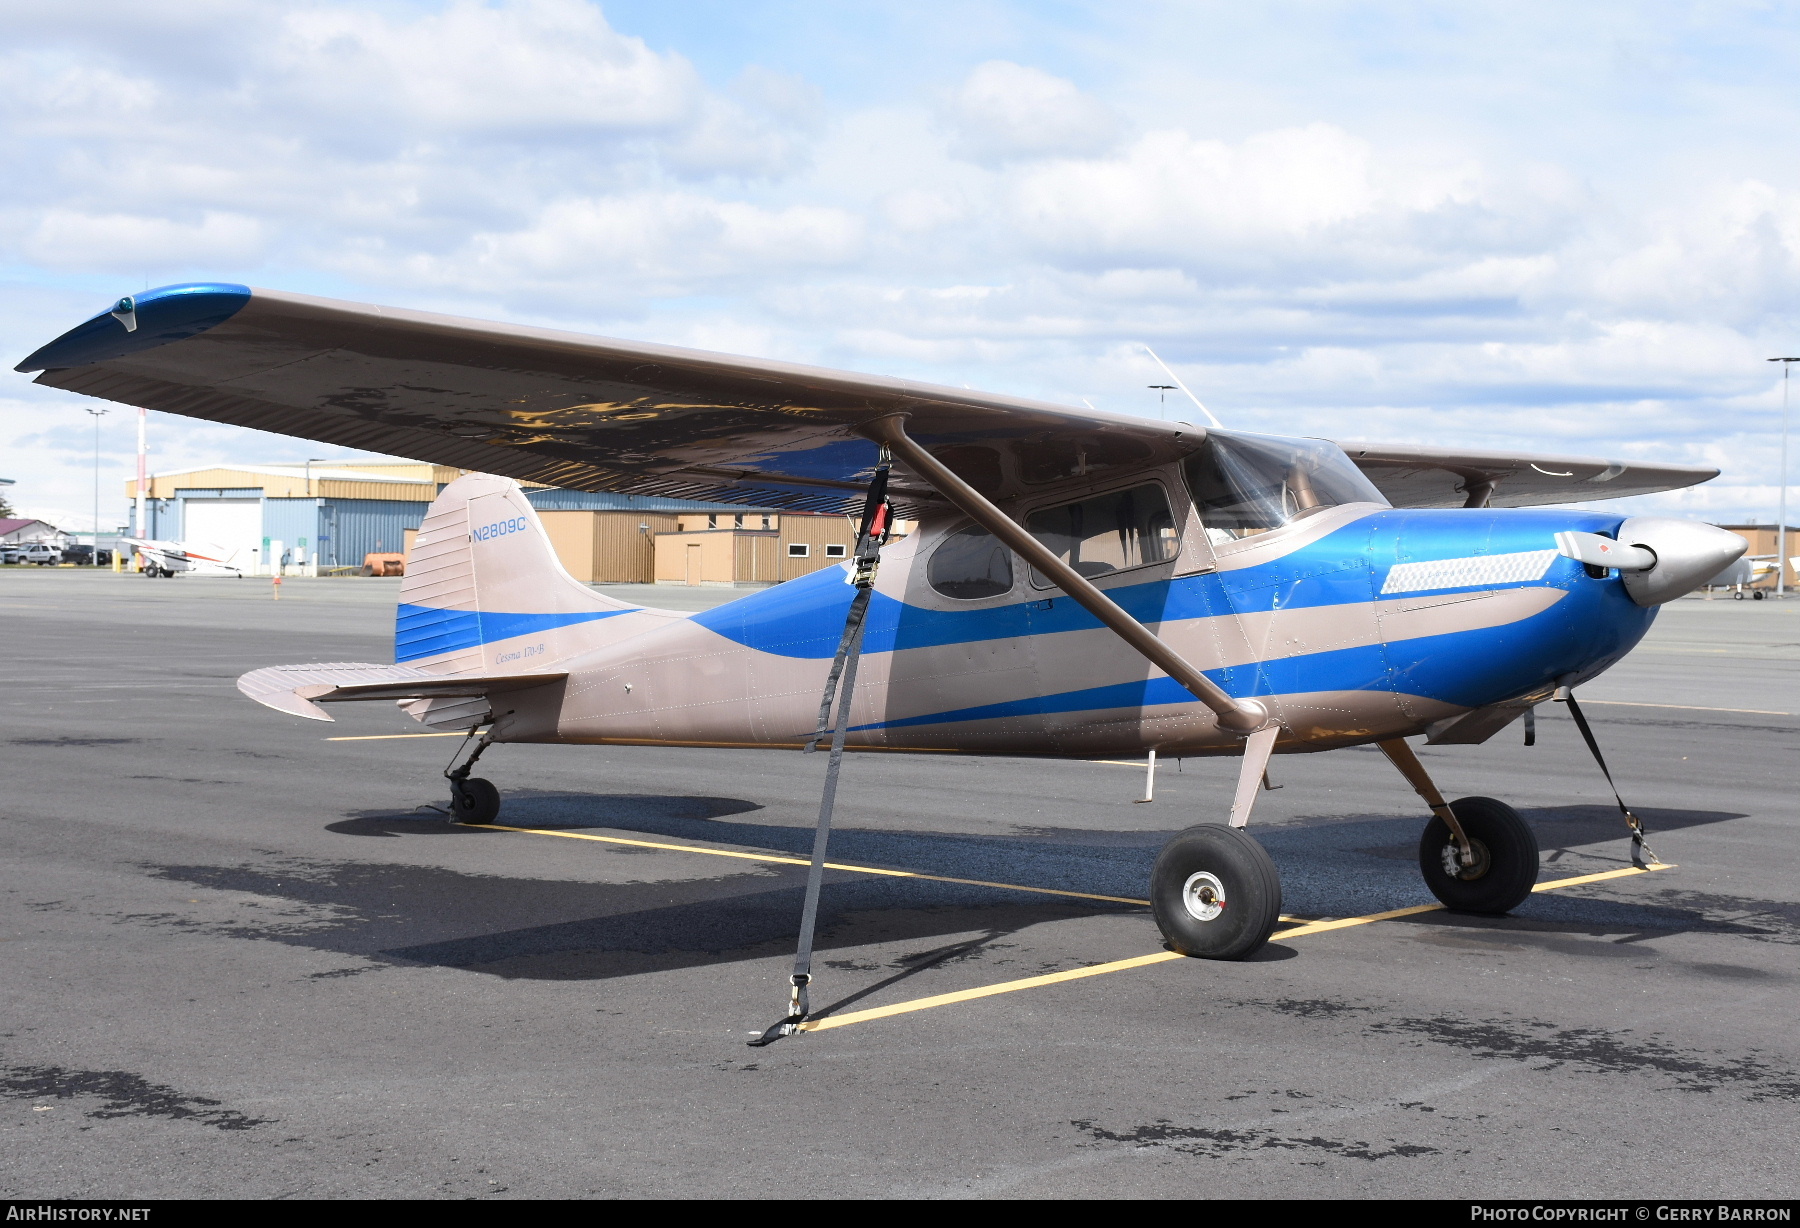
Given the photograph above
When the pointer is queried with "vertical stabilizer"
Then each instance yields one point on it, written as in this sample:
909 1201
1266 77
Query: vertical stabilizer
484 590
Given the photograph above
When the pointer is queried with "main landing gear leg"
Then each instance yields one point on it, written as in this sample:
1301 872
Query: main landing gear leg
1215 893
1477 854
473 800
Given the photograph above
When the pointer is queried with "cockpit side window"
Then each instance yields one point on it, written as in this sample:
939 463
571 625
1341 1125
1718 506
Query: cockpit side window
1248 484
970 564
1107 533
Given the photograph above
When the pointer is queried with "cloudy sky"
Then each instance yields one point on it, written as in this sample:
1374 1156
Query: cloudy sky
1547 226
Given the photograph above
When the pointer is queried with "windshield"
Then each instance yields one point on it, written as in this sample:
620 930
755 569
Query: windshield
1249 484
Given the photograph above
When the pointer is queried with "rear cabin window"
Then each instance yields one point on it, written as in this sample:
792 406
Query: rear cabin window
1248 484
970 564
1108 533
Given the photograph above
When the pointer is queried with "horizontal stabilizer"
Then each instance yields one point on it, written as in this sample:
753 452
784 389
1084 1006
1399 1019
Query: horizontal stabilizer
300 689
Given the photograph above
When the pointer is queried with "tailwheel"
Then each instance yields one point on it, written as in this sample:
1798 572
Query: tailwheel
1215 893
1506 858
474 800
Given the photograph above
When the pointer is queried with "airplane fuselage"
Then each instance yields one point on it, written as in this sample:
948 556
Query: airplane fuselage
1353 625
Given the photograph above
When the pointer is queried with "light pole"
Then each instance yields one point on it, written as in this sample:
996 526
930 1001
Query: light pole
1781 560
94 558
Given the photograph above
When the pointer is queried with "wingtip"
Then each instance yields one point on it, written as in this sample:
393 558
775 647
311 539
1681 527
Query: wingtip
141 322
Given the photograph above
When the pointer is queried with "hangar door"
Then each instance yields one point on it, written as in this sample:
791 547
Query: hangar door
234 525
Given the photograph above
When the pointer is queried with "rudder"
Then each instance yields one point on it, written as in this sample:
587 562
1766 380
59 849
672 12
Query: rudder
482 574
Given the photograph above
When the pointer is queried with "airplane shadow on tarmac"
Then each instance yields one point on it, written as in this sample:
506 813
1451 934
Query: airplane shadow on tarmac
731 910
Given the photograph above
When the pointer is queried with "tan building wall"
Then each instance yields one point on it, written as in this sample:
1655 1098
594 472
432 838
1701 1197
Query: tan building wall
728 518
794 546
827 542
415 482
1762 539
607 546
712 558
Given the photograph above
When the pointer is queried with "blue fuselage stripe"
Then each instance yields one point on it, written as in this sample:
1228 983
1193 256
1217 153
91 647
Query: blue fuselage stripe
423 631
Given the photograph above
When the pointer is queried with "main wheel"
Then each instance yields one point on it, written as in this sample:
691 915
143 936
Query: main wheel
1215 893
474 801
1506 858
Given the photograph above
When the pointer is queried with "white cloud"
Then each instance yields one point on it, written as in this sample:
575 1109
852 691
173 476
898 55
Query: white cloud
1494 248
65 239
1005 110
651 243
473 68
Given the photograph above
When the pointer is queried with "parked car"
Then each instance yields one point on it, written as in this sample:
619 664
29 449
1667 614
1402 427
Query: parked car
83 556
38 552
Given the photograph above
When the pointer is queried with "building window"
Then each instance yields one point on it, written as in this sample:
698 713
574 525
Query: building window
712 520
737 521
836 552
765 519
799 550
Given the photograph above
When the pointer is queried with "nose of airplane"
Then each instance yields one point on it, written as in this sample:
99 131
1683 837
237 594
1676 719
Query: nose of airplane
1687 555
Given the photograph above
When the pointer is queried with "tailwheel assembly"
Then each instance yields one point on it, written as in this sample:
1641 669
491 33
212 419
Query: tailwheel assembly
474 800
1503 867
1215 892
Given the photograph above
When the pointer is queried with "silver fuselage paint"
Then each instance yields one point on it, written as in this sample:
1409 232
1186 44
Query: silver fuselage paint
1355 624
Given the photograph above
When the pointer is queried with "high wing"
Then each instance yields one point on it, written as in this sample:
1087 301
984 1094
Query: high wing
1414 476
588 413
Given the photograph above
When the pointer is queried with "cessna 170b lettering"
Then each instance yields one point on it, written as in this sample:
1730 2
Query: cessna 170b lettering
1079 584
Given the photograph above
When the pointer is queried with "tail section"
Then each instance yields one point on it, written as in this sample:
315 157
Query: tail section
485 593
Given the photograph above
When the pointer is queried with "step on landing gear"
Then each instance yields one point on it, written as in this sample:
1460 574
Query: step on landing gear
472 799
1477 854
1215 892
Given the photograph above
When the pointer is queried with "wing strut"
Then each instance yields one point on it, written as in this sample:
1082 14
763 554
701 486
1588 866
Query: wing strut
1242 717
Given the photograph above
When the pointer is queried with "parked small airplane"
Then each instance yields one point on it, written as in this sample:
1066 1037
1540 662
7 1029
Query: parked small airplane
1080 583
1745 572
166 559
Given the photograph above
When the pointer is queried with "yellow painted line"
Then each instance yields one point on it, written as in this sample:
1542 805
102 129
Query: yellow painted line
1626 703
1140 961
969 995
1556 883
803 861
389 737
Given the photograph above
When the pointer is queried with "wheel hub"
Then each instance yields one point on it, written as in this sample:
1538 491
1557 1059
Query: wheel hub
1454 867
1203 895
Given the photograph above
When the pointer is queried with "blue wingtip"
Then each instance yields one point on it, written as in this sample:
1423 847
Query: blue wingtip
142 322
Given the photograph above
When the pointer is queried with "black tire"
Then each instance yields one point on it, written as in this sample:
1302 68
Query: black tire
1757 595
1506 858
1738 596
474 801
1215 893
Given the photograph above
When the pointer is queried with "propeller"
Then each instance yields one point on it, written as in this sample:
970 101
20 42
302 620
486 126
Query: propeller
1659 559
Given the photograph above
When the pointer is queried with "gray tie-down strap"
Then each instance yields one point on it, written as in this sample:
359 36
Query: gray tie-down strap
839 686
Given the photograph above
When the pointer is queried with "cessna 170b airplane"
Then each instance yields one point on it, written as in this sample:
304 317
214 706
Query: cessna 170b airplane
1080 583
